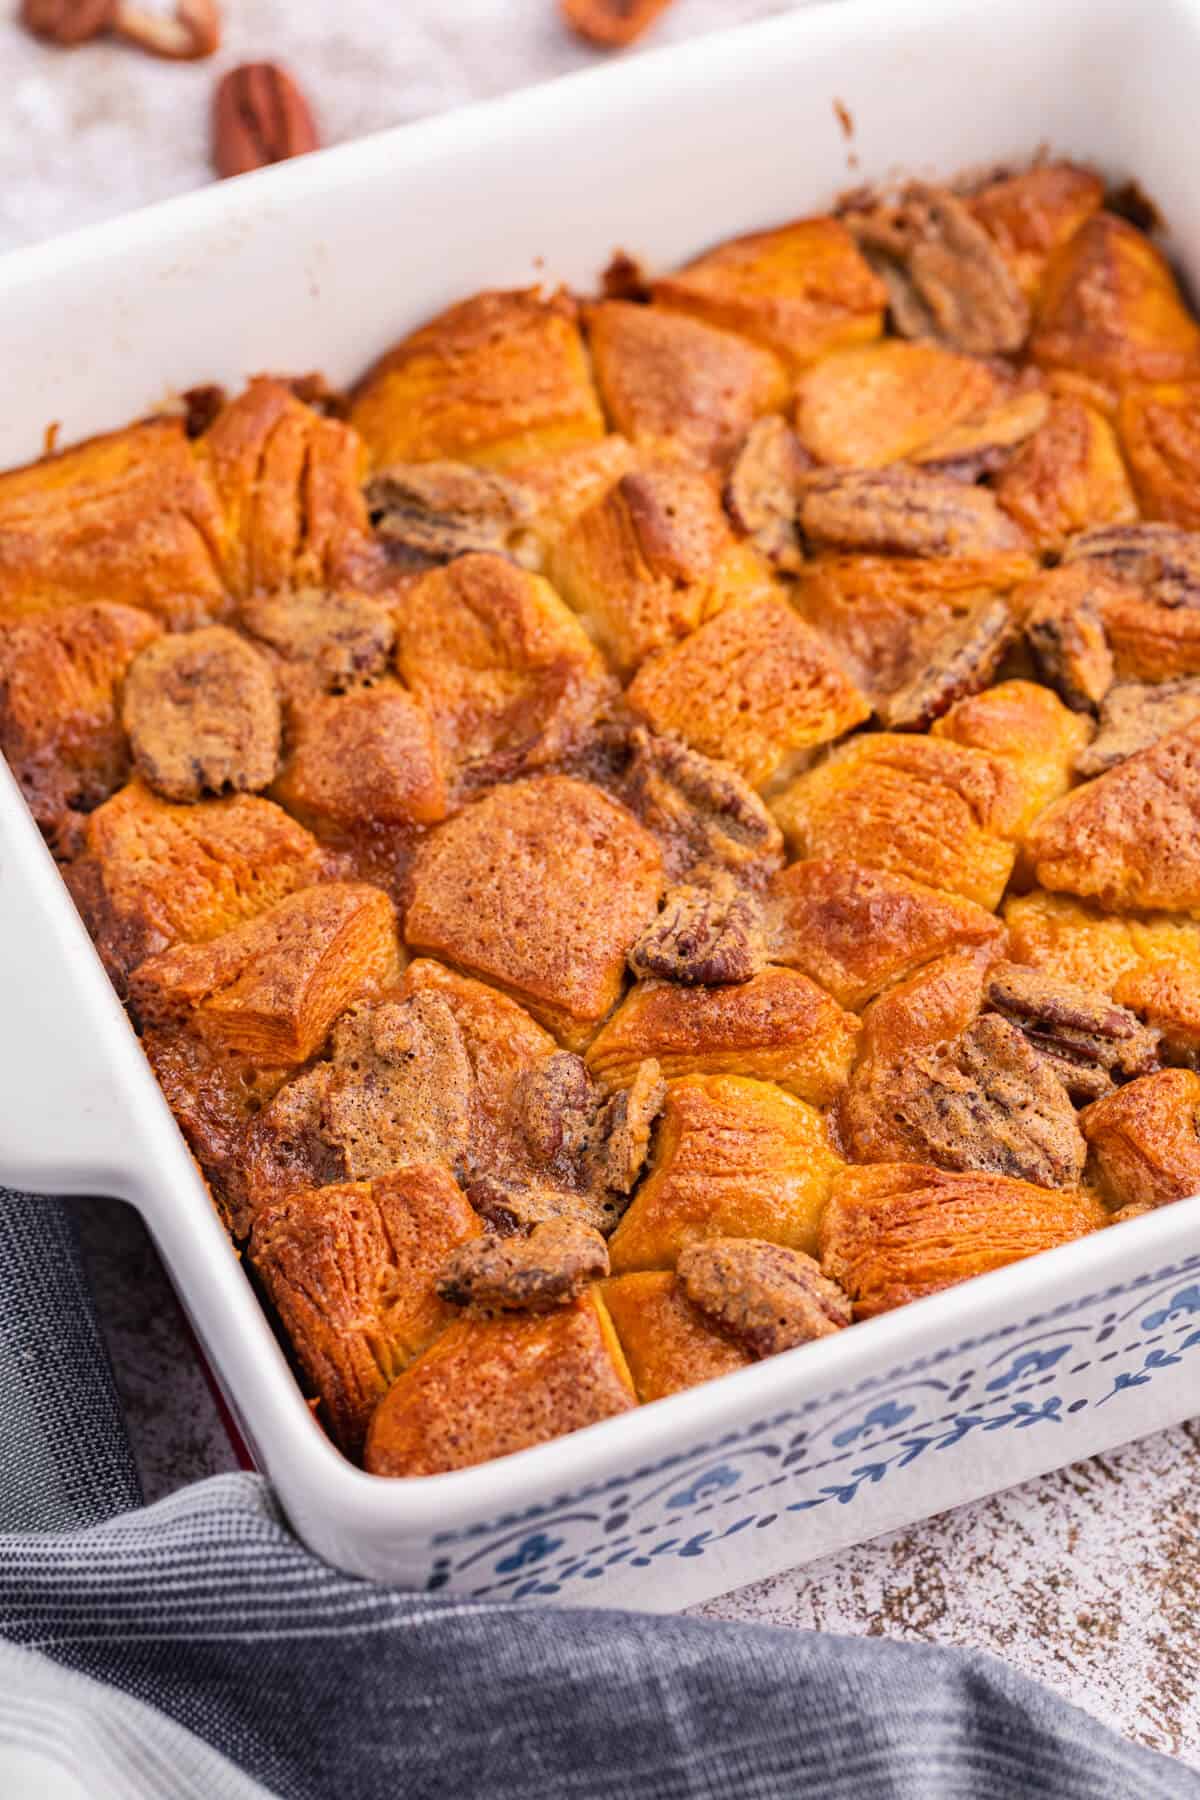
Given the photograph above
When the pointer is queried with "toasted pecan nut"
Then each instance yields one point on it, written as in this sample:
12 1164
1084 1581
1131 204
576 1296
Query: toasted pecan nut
557 1106
202 713
762 493
582 1142
190 33
769 1297
904 511
611 24
259 117
549 1268
1162 560
703 936
1134 715
702 812
620 1140
984 1101
1089 1041
343 638
945 275
1064 629
67 22
428 513
514 1204
961 662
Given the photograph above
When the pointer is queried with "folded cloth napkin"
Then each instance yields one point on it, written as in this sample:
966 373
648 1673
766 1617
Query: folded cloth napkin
195 1648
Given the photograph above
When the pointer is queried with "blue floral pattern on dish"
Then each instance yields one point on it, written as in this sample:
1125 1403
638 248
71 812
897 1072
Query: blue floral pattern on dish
829 1451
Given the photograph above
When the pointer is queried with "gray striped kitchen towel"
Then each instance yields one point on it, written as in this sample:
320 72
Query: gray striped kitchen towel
195 1648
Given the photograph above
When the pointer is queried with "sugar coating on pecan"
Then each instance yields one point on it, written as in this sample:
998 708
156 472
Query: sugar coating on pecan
619 1145
1089 1041
985 1101
1162 560
702 812
704 936
961 662
202 713
1134 715
945 275
549 1268
763 490
586 1151
769 1297
344 637
904 511
1068 642
428 513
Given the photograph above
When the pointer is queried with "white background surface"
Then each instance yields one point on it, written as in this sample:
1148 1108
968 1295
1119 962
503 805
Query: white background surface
1088 1579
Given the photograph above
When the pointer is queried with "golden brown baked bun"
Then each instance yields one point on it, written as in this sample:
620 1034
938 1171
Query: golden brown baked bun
270 989
801 290
897 1231
351 1270
755 687
499 379
505 671
936 812
779 1026
1145 1139
541 887
153 874
60 720
732 1158
489 1387
676 386
669 1344
1110 309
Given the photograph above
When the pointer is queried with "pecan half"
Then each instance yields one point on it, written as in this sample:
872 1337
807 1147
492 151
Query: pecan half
1134 715
556 1107
259 117
987 1101
549 1268
703 813
611 24
962 661
620 1138
763 491
190 33
702 937
897 509
513 1205
1088 1041
769 1297
1069 645
67 22
344 638
427 513
1160 559
945 275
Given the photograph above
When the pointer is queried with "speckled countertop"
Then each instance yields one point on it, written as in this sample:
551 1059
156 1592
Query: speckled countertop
1088 1579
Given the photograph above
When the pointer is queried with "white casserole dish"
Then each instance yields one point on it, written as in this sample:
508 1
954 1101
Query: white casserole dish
322 264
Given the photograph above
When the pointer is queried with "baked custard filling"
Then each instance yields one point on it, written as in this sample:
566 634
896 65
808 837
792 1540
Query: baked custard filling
658 826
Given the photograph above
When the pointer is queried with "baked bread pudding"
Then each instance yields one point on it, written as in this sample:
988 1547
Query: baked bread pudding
658 826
